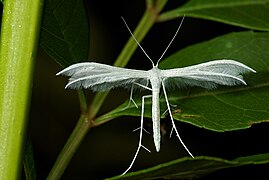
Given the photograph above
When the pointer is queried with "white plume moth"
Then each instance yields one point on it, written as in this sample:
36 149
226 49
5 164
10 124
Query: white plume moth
101 77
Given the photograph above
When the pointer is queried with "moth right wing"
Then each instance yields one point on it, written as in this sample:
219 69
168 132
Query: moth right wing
101 77
207 75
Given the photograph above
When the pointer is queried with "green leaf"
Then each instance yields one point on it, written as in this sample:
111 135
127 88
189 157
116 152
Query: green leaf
226 108
251 14
65 32
188 168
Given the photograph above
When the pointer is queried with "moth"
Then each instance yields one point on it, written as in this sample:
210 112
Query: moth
102 77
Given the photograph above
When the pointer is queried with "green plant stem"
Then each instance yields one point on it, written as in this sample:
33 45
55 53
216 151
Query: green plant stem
70 148
147 21
82 101
19 37
86 122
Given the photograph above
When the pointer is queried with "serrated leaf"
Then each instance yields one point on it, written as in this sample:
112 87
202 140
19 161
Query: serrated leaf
65 32
226 108
252 14
188 168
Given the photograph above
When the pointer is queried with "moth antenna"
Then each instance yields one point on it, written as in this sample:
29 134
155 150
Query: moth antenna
138 42
171 40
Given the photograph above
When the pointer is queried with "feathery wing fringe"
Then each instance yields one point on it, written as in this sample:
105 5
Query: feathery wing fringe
207 75
101 77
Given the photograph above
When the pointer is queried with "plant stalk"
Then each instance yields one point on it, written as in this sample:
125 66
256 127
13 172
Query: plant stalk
149 18
86 122
19 41
72 144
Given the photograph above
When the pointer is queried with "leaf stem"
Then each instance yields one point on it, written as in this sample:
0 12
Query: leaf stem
82 101
19 38
86 121
70 148
149 18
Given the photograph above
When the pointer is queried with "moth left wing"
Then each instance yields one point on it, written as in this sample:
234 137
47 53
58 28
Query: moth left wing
207 75
101 77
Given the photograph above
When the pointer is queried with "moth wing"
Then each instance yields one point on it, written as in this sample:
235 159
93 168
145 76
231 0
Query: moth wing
101 77
207 75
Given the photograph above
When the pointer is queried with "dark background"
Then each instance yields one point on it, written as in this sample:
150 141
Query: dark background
107 150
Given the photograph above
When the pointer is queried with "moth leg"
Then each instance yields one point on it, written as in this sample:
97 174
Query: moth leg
146 87
171 132
143 130
140 135
173 123
131 95
143 86
131 99
172 105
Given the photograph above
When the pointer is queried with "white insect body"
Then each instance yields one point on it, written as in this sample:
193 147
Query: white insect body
101 77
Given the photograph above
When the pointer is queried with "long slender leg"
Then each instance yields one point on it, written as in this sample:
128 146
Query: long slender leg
143 86
140 136
173 105
131 99
173 123
131 95
139 129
